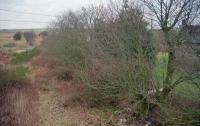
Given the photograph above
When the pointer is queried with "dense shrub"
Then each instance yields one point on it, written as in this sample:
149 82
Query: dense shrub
17 36
112 55
30 37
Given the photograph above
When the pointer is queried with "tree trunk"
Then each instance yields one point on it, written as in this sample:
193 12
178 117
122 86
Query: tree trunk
167 87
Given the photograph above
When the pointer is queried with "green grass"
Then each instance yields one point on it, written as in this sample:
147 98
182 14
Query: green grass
185 89
24 56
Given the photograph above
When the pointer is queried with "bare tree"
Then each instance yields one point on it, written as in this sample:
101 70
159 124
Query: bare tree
168 14
98 36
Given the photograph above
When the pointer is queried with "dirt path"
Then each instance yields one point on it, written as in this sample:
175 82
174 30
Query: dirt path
53 95
51 111
50 105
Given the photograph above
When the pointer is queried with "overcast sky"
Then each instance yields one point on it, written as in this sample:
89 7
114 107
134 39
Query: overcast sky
48 7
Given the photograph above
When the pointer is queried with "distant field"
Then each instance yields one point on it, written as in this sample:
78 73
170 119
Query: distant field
8 44
6 38
21 30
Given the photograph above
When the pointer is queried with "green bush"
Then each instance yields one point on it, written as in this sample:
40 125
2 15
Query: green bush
17 36
24 56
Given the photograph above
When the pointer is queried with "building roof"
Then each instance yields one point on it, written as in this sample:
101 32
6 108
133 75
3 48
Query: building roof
194 33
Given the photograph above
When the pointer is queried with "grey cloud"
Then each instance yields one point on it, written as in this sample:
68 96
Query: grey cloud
49 7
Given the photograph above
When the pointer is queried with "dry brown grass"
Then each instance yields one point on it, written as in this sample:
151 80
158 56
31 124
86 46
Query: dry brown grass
17 106
6 38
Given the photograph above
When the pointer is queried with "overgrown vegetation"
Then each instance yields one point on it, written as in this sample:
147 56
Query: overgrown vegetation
110 51
24 56
112 57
